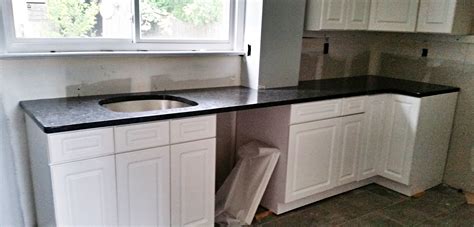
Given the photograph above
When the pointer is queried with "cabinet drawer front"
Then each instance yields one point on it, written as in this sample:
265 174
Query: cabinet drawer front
141 136
195 128
72 146
315 111
354 105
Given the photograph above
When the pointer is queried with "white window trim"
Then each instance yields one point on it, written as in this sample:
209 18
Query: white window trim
90 45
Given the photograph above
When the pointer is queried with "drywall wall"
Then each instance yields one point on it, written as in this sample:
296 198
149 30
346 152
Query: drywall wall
36 78
450 61
2 38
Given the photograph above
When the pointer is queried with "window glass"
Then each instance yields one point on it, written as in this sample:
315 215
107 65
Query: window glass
72 18
185 19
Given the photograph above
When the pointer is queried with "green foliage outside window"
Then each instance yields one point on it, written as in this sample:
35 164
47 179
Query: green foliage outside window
77 18
73 18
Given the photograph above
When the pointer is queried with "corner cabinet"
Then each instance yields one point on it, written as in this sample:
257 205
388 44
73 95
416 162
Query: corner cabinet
401 121
445 16
151 174
333 146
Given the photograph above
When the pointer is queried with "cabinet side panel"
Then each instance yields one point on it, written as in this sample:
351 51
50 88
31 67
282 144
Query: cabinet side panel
432 140
463 17
271 126
313 15
38 148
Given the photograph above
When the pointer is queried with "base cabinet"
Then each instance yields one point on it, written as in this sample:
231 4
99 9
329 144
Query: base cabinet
397 141
192 185
85 192
146 176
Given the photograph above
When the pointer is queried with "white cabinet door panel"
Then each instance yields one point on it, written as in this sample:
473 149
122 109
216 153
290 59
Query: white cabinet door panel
358 14
400 129
334 14
192 183
375 118
353 129
143 187
85 192
312 153
393 15
436 16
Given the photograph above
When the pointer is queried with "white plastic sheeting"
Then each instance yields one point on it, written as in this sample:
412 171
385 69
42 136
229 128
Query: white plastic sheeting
238 198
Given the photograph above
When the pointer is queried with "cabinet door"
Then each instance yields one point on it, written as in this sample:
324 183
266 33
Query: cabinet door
85 192
358 14
334 14
375 118
312 156
400 129
393 15
353 129
143 187
192 183
436 16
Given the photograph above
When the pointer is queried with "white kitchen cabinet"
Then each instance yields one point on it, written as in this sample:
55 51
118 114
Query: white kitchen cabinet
445 16
337 15
393 15
192 183
85 192
312 155
352 136
375 118
401 121
91 182
143 187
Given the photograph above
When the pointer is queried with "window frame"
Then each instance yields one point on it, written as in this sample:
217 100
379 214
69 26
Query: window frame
134 43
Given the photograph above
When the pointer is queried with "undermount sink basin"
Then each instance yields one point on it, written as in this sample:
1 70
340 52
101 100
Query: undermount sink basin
142 103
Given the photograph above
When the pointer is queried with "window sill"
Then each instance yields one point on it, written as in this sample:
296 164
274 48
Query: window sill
120 53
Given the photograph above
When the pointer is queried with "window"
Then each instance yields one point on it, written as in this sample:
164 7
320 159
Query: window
140 25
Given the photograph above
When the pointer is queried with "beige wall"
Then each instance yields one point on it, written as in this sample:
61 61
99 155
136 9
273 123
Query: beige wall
36 78
450 61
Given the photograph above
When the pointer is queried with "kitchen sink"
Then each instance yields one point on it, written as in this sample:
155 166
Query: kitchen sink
142 103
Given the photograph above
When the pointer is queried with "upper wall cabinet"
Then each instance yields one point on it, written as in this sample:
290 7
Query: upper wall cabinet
430 16
445 16
394 15
337 15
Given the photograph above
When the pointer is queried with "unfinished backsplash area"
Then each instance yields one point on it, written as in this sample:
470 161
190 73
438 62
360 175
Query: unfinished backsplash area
449 61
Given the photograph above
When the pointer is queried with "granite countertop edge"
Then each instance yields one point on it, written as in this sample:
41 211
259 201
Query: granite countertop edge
362 85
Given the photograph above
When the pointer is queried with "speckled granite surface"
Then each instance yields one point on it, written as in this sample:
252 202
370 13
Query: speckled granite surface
67 114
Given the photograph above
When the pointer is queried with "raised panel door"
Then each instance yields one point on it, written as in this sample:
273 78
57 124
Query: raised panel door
312 156
143 187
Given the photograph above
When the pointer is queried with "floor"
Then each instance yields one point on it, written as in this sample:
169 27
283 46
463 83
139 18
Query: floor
374 205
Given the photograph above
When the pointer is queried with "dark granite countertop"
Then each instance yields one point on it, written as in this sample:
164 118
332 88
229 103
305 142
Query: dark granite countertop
67 114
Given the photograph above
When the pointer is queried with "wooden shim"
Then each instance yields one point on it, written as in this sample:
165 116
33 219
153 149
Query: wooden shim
469 197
